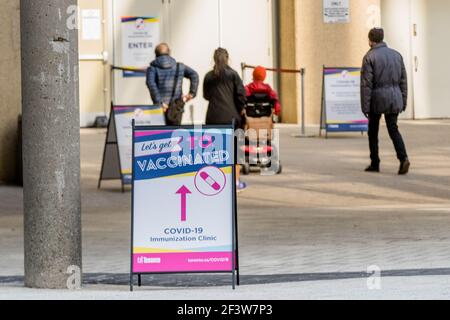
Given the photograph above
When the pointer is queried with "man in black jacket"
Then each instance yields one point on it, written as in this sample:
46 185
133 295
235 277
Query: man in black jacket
384 90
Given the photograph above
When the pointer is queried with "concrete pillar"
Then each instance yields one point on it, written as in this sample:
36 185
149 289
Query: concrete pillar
289 83
51 149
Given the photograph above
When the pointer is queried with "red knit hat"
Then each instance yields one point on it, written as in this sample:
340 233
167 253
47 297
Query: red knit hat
259 74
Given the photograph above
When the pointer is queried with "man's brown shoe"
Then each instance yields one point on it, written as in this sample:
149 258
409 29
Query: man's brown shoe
404 167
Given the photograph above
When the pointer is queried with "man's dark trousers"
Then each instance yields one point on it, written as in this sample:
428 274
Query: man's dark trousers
394 133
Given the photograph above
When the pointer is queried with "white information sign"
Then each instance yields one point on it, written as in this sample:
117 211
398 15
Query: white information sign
91 24
336 11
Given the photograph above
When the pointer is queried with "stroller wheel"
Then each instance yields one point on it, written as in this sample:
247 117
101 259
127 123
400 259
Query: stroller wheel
280 168
246 169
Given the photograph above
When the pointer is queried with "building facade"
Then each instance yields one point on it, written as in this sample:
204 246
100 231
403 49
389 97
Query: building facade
290 34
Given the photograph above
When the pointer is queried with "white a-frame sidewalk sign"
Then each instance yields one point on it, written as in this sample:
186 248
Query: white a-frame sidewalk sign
184 216
116 164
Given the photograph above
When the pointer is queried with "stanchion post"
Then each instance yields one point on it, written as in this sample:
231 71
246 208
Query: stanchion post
303 106
112 82
302 74
243 67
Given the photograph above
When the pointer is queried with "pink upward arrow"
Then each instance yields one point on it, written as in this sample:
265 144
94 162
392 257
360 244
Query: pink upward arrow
183 191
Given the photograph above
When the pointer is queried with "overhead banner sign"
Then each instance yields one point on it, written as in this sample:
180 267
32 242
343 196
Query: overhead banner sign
184 201
336 11
140 36
341 107
118 146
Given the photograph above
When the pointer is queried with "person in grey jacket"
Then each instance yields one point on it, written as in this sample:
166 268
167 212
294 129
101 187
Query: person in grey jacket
161 77
384 90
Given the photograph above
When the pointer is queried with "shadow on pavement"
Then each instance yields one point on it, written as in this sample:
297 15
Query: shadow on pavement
213 280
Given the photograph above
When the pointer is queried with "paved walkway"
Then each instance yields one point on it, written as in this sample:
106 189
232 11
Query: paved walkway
323 215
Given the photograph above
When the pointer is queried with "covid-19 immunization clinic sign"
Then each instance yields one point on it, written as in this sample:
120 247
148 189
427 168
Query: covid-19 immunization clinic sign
341 101
184 201
140 36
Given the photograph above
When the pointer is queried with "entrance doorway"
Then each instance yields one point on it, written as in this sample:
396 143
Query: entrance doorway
193 29
415 28
94 53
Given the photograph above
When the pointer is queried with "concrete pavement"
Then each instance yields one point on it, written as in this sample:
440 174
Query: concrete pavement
323 215
416 288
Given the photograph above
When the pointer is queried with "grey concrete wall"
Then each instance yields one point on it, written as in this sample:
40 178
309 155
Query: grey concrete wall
10 97
332 45
310 43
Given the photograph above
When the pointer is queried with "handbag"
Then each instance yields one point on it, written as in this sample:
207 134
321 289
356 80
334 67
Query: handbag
174 114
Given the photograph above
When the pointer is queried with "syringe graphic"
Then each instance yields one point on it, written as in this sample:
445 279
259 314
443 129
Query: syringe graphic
210 181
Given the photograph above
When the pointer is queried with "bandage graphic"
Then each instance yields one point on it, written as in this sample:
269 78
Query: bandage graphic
210 181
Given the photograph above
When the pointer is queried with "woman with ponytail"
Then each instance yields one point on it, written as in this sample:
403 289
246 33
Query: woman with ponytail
225 91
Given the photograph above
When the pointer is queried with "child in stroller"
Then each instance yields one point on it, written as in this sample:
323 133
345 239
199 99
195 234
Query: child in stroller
259 87
262 105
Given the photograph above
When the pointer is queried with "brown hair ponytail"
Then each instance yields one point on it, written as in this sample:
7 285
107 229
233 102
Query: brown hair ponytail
220 61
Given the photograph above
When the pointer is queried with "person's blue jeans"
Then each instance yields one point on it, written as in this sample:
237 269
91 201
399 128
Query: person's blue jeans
394 133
